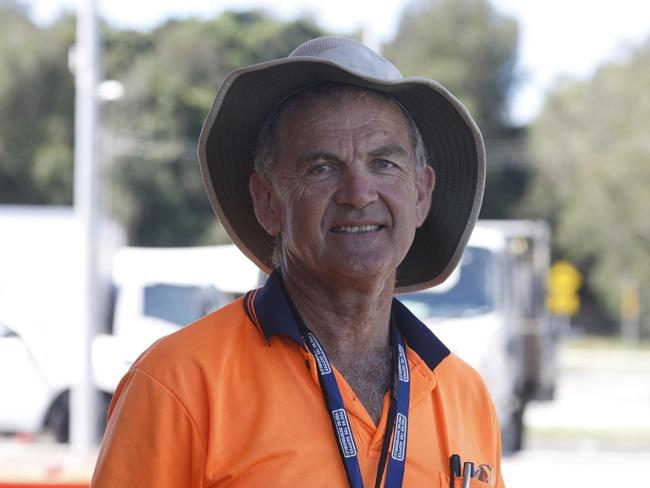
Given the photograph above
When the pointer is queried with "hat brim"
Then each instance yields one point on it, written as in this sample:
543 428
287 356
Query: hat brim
453 141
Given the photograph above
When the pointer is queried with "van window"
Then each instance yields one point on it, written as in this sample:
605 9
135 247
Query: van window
469 291
178 304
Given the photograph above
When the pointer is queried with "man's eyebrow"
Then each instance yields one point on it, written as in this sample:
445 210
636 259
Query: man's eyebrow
388 150
325 155
318 155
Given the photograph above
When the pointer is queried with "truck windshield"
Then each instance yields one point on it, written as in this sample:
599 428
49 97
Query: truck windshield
4 331
468 291
178 304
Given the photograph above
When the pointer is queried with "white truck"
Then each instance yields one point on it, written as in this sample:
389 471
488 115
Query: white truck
147 293
491 312
40 284
159 290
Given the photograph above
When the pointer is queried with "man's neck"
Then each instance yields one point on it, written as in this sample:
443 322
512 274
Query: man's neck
351 323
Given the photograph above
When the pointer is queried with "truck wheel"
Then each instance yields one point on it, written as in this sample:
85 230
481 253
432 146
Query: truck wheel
512 431
58 419
104 403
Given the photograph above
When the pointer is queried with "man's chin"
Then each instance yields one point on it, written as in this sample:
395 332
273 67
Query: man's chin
361 273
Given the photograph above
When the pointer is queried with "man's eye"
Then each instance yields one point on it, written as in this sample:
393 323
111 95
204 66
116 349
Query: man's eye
384 164
319 169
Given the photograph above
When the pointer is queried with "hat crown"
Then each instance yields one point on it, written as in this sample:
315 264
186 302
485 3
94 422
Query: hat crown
351 54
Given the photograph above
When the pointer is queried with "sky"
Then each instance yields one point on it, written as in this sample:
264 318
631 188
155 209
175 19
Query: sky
559 38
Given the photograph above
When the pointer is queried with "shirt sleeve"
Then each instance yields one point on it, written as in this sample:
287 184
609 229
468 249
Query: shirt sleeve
150 439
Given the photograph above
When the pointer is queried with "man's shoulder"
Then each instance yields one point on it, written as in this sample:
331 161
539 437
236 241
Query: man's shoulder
458 378
207 342
186 368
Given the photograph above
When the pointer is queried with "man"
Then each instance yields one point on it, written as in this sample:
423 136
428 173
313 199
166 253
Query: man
348 183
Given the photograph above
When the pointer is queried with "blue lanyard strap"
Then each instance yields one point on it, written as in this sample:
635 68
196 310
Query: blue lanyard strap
397 461
397 417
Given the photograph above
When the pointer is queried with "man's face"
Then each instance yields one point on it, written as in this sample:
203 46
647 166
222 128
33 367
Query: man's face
345 193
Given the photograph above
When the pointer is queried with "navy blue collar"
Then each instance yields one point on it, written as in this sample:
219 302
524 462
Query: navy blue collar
271 310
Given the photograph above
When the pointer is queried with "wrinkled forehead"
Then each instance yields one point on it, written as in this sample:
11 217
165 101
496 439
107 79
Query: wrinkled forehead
287 123
342 127
330 95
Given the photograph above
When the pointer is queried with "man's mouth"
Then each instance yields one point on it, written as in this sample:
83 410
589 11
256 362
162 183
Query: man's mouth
356 229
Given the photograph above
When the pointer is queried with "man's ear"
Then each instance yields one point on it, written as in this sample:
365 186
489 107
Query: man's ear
265 204
426 181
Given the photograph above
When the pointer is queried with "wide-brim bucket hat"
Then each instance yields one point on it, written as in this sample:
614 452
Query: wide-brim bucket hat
453 142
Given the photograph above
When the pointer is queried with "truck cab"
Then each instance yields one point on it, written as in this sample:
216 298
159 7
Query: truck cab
482 312
160 290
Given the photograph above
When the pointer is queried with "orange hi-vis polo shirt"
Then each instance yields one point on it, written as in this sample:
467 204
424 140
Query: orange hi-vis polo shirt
234 400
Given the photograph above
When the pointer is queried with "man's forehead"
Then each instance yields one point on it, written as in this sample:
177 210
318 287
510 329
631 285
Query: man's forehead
336 116
342 99
322 125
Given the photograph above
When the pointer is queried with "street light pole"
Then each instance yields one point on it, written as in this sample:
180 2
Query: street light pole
83 404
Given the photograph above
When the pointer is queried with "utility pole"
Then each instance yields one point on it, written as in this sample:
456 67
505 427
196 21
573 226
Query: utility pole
83 401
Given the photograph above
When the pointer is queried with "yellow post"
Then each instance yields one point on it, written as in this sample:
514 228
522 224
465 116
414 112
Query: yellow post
630 312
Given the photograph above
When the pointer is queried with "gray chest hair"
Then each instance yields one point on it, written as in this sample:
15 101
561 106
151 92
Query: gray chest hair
370 379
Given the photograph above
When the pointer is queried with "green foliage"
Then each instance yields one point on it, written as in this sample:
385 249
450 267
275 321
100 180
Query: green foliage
170 78
468 47
591 146
471 49
36 110
505 187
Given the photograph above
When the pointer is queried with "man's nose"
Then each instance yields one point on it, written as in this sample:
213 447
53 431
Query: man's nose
356 188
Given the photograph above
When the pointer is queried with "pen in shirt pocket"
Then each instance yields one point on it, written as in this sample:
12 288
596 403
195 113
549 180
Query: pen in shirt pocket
454 469
482 472
468 472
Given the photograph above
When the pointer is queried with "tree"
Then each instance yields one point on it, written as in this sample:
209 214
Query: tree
591 147
471 49
150 136
170 77
36 110
467 46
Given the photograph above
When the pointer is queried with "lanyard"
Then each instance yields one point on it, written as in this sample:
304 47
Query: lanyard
397 415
